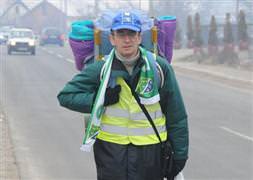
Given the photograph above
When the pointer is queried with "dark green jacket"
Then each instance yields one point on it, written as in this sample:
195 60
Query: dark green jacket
79 94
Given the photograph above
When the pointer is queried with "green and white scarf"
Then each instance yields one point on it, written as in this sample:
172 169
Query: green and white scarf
146 89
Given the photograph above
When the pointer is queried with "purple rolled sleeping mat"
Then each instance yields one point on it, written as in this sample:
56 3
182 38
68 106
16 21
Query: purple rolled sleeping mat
81 38
83 52
81 41
166 26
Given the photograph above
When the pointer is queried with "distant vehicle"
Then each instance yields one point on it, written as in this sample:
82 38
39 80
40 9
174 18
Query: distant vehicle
2 39
4 33
21 40
51 35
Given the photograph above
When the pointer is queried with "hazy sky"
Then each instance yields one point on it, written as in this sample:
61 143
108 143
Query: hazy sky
75 5
214 7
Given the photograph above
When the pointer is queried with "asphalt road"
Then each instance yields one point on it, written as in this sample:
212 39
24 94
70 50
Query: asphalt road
47 137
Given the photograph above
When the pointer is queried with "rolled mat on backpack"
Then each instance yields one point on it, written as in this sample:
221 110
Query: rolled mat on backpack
81 40
83 52
166 30
81 37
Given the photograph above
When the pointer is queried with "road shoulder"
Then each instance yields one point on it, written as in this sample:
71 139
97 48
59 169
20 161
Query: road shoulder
8 166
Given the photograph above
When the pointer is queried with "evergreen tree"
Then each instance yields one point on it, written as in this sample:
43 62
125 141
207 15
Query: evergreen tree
242 31
228 55
178 38
228 32
189 31
198 42
212 38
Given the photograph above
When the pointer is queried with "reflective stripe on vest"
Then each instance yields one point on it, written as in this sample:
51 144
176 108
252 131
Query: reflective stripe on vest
124 122
116 112
131 131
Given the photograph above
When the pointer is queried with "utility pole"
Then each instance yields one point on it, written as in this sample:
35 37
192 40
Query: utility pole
66 13
140 4
96 8
66 7
237 10
151 8
17 13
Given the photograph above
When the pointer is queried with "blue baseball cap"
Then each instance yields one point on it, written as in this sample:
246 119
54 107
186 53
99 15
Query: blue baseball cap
126 20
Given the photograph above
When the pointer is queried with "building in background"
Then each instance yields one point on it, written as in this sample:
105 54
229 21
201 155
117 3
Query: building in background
44 15
13 13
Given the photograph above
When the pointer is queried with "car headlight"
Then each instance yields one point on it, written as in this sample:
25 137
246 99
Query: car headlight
13 43
31 43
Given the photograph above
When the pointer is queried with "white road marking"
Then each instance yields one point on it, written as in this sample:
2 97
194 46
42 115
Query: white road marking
69 60
59 56
237 133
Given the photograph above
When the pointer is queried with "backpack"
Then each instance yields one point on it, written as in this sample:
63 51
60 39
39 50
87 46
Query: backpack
89 39
89 42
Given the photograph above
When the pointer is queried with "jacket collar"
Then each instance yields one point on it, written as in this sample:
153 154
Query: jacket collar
117 65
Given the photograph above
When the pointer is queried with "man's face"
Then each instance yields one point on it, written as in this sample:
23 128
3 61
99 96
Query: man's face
126 42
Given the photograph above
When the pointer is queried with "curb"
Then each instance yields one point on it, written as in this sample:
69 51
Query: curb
248 83
214 74
8 164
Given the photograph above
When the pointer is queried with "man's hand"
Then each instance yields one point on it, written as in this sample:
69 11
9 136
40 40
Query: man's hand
112 95
177 167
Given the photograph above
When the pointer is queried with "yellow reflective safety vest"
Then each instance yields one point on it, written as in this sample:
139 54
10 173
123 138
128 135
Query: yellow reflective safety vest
125 122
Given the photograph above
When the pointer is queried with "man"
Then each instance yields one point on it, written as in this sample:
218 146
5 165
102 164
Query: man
127 147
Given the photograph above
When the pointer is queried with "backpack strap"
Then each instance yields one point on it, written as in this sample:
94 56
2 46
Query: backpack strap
103 68
159 76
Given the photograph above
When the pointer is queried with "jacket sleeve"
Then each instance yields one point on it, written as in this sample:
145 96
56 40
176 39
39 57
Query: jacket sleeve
79 93
176 116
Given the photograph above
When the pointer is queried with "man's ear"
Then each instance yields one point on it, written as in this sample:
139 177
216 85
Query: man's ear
111 38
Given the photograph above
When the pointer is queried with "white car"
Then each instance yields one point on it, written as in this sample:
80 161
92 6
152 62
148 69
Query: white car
21 40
